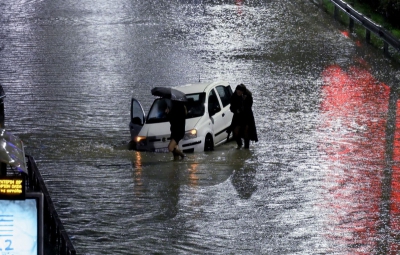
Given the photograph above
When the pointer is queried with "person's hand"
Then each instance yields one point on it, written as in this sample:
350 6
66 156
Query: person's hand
167 110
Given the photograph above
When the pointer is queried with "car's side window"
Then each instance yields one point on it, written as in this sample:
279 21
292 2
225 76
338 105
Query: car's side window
213 104
225 94
195 105
136 113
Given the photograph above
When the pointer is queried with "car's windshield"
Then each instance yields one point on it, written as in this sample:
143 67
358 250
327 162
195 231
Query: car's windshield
157 111
194 106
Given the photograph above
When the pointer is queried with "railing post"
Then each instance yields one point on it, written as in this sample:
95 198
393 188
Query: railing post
351 24
336 13
367 35
386 48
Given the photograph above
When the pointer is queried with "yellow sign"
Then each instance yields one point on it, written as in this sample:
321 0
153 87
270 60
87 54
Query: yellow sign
12 187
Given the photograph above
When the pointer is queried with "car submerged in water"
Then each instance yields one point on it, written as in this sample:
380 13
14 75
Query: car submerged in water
207 121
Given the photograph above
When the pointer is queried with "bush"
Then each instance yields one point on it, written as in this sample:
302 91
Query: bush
391 9
373 3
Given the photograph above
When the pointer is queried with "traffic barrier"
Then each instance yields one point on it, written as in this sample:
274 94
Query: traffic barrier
56 241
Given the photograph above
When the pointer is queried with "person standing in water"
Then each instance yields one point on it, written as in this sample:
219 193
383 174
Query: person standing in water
243 124
177 118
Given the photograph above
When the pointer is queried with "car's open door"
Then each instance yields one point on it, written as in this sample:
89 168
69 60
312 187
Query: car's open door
137 118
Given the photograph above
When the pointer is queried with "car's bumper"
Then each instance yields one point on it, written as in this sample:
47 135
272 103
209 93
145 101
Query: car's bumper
155 144
192 145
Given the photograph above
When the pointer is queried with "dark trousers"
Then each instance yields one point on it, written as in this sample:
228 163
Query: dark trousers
240 132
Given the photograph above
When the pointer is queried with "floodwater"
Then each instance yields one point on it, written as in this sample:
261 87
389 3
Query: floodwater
323 179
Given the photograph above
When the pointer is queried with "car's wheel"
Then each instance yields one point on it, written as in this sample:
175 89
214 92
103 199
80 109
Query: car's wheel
209 143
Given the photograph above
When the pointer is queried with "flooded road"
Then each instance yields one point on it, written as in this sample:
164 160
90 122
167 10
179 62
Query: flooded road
323 178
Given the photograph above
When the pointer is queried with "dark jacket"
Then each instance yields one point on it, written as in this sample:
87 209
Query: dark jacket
243 116
177 119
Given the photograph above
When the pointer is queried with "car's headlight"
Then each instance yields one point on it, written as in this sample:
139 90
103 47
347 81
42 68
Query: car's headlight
190 134
139 139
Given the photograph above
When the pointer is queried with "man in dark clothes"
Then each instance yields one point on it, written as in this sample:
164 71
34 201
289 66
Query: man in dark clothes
243 124
177 119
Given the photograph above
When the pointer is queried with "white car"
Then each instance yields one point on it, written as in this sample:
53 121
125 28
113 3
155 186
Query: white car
208 118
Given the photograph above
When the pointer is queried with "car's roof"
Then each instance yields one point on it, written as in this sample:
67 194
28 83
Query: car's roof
200 87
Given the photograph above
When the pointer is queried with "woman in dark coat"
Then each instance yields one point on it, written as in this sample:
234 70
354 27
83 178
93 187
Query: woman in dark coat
243 124
177 118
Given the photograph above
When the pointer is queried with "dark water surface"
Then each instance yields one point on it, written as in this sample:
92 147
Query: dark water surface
323 179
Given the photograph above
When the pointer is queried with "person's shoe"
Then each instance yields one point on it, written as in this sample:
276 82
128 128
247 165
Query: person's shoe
179 153
239 143
246 144
176 155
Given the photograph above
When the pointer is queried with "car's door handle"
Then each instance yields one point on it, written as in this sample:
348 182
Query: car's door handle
223 114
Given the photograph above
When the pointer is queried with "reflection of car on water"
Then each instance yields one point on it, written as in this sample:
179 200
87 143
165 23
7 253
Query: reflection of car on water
208 118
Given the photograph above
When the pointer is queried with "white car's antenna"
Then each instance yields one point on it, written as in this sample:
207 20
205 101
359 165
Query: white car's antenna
199 77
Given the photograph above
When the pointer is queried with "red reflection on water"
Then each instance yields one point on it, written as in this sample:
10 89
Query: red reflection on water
345 33
354 111
239 4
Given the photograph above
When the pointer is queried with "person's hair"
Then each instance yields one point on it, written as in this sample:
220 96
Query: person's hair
241 87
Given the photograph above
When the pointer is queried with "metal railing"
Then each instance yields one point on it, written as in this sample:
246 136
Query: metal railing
56 241
368 24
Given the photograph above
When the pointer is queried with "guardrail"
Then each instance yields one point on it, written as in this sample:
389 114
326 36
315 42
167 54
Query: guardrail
368 24
56 241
